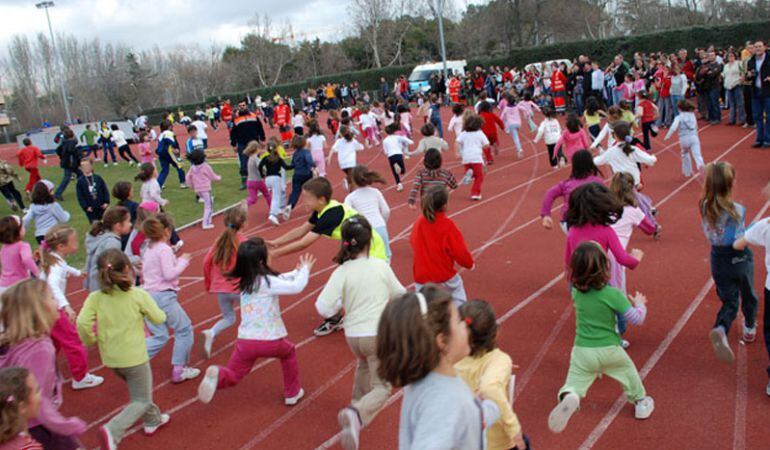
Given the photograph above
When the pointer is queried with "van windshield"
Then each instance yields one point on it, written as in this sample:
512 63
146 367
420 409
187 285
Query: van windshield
421 75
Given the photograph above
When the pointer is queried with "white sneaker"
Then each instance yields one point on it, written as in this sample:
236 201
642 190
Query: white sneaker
187 373
208 386
399 187
182 186
208 342
561 414
108 442
749 334
149 431
114 164
520 155
644 408
88 381
468 177
721 346
106 165
207 227
178 246
200 199
767 391
345 184
291 401
273 220
286 213
625 344
475 197
351 428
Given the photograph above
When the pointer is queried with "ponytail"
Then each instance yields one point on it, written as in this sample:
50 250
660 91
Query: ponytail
362 176
56 236
227 244
114 271
356 237
434 201
622 131
111 217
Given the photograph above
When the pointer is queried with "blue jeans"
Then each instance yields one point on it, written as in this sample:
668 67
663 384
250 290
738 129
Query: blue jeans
296 187
439 126
735 100
675 99
715 114
243 161
108 145
760 107
177 320
733 273
65 181
165 163
665 116
227 304
622 324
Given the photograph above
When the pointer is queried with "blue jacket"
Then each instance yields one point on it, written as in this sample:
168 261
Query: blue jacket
166 141
92 192
303 162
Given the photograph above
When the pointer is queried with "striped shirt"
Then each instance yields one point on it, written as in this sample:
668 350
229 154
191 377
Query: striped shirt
431 177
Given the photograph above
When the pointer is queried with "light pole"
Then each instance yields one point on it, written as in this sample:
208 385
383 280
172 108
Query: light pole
45 5
440 13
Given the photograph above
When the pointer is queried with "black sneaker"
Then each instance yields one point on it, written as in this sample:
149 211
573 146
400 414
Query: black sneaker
328 326
757 144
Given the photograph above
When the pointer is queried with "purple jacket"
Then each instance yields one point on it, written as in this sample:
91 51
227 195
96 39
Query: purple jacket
39 357
564 189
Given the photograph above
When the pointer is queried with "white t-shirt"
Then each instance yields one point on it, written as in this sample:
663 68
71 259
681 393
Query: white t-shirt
759 234
395 144
201 127
370 203
119 138
346 152
456 124
316 142
620 162
368 121
472 145
298 121
550 131
631 218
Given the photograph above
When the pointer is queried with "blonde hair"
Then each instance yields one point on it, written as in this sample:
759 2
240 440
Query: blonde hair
56 236
26 312
14 392
251 148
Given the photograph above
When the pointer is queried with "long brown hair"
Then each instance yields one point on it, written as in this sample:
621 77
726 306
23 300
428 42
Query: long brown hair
111 217
56 236
227 243
28 311
434 201
622 185
115 271
406 339
355 237
717 191
482 326
589 268
13 393
362 176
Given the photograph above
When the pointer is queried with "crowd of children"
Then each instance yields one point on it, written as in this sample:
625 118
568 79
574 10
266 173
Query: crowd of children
433 341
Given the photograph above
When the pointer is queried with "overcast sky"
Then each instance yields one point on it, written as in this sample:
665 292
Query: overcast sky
145 23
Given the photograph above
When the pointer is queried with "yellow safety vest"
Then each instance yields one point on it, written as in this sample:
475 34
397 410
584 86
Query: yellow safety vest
376 248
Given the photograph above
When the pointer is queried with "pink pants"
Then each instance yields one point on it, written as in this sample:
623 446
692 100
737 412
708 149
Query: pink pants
65 338
320 161
207 207
253 188
371 134
478 177
248 351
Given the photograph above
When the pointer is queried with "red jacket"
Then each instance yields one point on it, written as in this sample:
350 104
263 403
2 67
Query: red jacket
491 121
213 276
437 246
648 111
227 112
28 157
282 115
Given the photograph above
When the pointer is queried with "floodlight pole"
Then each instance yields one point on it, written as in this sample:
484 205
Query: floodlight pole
440 13
45 5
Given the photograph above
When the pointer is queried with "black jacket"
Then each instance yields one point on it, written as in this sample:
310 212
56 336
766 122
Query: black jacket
69 154
92 192
751 73
246 128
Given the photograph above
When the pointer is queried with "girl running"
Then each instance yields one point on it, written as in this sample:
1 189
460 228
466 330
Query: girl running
438 409
44 210
262 333
597 350
487 371
687 124
723 222
370 202
105 138
456 122
647 113
437 245
471 145
119 139
113 317
317 143
21 404
362 286
345 147
304 169
217 264
528 107
28 315
572 139
16 261
583 171
614 116
104 235
593 117
255 183
431 175
394 147
199 179
62 241
270 169
160 272
550 131
150 190
368 123
145 152
489 124
511 117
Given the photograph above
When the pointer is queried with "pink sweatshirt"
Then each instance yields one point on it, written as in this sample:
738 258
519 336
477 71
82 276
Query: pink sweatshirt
572 142
199 177
161 268
17 263
213 278
604 236
511 115
38 355
563 189
528 107
145 153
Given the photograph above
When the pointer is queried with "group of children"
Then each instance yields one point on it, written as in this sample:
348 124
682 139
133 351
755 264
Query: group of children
434 342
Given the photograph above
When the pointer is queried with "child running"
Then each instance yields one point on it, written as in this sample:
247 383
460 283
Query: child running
723 222
437 245
511 117
145 152
317 143
646 113
199 179
370 202
487 371
597 350
438 410
429 140
270 169
21 405
62 241
304 168
160 271
262 333
550 131
44 210
217 264
28 159
489 125
572 139
394 147
105 234
150 190
8 189
593 117
16 261
431 175
119 138
583 171
28 315
364 285
113 317
472 143
687 125
345 147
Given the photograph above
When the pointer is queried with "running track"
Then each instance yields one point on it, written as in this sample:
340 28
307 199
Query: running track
700 403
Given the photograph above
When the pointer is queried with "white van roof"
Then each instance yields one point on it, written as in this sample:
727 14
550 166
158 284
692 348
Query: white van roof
440 65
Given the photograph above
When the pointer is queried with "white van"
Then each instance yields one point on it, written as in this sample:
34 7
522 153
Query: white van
419 79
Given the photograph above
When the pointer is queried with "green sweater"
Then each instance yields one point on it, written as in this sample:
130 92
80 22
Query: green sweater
119 318
595 316
88 136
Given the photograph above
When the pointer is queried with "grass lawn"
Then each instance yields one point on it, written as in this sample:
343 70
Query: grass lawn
182 205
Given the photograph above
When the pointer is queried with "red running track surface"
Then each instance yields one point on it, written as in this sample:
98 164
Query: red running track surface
700 402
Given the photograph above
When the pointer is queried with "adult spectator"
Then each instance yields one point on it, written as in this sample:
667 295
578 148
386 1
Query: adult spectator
758 72
746 54
246 128
384 89
69 160
620 70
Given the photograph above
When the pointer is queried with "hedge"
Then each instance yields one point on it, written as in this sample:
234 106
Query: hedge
602 50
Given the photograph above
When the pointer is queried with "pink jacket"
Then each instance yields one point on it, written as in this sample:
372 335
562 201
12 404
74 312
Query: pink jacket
17 263
572 142
199 177
161 268
511 115
38 355
214 279
602 235
564 189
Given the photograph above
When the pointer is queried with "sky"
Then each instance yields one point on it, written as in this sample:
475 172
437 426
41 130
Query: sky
143 24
